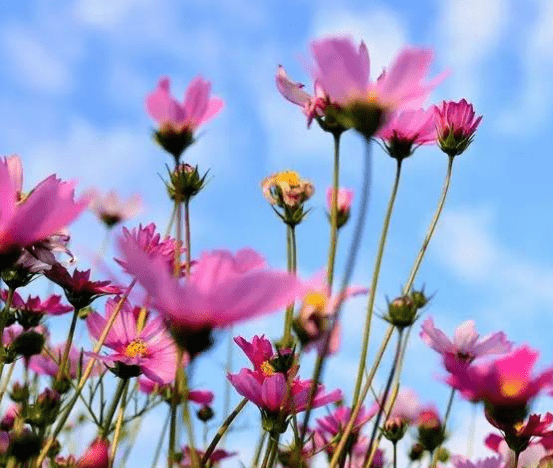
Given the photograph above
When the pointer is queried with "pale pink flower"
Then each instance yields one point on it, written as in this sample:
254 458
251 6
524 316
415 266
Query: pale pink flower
466 345
35 306
406 407
186 116
343 71
112 210
529 458
45 211
149 350
313 106
43 363
405 131
223 289
96 456
287 189
344 199
456 124
491 462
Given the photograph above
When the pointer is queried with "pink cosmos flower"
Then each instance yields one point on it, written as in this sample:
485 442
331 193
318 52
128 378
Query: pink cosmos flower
407 130
201 397
267 387
79 290
343 199
530 457
197 108
504 384
96 456
343 72
111 210
490 462
43 363
313 106
456 124
33 305
45 211
223 289
149 350
466 345
214 459
149 241
316 314
406 407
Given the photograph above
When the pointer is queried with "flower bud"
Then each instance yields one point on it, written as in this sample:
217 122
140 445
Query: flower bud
205 413
419 299
401 312
28 344
19 393
24 446
431 431
394 429
456 125
416 452
96 456
343 203
185 182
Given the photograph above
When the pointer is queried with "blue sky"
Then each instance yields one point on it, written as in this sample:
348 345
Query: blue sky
75 75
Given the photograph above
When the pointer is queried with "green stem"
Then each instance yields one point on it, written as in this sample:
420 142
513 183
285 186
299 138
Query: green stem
119 425
70 335
350 264
194 457
271 451
175 398
431 229
356 410
226 424
446 418
257 455
3 320
187 236
372 449
517 454
334 211
160 442
121 386
291 262
395 454
178 238
374 285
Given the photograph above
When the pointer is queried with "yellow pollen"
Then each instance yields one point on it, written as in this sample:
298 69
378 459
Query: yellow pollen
136 348
267 369
315 300
287 177
512 387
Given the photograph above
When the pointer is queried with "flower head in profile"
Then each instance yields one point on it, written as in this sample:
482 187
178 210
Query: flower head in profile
80 291
29 313
179 120
343 70
466 346
96 456
137 349
406 130
273 385
25 220
456 123
48 362
344 198
216 456
506 384
529 457
112 210
223 289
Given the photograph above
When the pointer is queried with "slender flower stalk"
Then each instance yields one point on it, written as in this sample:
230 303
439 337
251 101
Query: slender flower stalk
370 454
187 236
178 237
286 341
68 343
350 264
334 211
374 285
174 407
444 425
121 387
223 429
84 378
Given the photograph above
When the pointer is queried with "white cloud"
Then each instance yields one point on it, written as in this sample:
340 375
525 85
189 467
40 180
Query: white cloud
469 31
106 13
531 106
38 63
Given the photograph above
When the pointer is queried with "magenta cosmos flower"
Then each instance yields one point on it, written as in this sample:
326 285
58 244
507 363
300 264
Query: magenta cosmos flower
466 345
267 387
505 385
456 124
35 306
179 120
406 131
223 289
49 207
148 350
343 70
490 462
96 456
112 210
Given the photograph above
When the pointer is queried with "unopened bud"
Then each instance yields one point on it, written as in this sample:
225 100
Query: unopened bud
185 182
401 312
205 413
416 452
394 429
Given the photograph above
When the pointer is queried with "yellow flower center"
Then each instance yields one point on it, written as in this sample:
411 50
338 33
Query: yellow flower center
512 387
136 348
267 368
316 300
287 177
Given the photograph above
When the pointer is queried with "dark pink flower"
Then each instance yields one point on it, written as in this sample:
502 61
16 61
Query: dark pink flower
79 290
33 305
216 456
96 456
405 131
466 345
529 457
197 108
223 289
148 350
456 124
45 211
343 72
505 384
112 210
